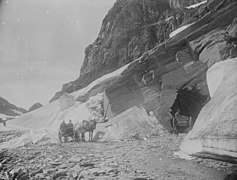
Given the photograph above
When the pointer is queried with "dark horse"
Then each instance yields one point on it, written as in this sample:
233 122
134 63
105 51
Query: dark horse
81 128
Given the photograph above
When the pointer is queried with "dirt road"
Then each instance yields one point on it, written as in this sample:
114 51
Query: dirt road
132 159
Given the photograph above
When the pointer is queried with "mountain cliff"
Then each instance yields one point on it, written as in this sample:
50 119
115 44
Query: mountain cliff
130 28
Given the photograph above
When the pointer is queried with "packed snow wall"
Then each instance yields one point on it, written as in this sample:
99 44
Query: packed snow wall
214 134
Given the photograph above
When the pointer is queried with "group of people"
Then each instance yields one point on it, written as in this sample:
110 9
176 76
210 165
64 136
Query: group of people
66 128
76 131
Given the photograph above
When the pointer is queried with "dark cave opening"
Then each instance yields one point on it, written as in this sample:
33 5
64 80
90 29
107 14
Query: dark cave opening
190 102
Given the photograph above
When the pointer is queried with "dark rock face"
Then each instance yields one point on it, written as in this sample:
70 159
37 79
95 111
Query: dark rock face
123 37
35 106
129 29
9 109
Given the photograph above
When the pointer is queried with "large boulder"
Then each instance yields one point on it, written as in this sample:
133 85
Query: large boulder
214 134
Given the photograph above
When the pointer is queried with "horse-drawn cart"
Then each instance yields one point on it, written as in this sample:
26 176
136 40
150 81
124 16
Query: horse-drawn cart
64 135
182 123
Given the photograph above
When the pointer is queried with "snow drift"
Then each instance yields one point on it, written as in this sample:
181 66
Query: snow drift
134 121
215 131
44 122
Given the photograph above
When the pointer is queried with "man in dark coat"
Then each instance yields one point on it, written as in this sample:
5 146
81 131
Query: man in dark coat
63 127
70 125
70 128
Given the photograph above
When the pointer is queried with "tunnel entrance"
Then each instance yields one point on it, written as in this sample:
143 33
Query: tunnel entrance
189 101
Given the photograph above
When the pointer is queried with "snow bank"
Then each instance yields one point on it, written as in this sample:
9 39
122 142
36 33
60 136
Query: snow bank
134 121
215 130
44 122
214 77
196 5
172 34
98 81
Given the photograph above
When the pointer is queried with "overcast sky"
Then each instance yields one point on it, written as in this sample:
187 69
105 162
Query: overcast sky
42 45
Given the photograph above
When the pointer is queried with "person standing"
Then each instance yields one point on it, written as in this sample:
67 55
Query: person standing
70 129
63 127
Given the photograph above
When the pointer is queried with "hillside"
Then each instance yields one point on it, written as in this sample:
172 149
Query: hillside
8 109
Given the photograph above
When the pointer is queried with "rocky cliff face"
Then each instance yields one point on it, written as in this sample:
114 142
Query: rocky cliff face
9 109
130 28
165 72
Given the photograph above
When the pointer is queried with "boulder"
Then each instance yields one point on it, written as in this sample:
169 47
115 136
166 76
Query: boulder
214 134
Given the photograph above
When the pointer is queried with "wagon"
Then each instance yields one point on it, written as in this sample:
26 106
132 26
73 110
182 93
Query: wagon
64 135
182 123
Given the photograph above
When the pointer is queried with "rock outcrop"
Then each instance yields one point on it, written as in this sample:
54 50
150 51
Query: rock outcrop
129 29
214 134
10 109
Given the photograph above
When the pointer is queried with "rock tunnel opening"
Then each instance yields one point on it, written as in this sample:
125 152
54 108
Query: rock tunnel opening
190 102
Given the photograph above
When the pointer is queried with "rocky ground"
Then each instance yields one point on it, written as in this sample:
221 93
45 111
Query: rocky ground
133 158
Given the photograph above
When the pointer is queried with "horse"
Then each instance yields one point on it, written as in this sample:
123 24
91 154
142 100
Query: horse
81 128
79 132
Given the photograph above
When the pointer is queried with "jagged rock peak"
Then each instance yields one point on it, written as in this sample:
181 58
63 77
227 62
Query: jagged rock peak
35 106
123 37
123 18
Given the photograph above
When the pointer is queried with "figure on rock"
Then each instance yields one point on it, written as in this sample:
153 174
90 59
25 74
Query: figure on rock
148 76
231 39
178 20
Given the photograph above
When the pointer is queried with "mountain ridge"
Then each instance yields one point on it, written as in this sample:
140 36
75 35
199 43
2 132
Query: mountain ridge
10 109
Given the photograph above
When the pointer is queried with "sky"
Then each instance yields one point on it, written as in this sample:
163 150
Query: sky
42 45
